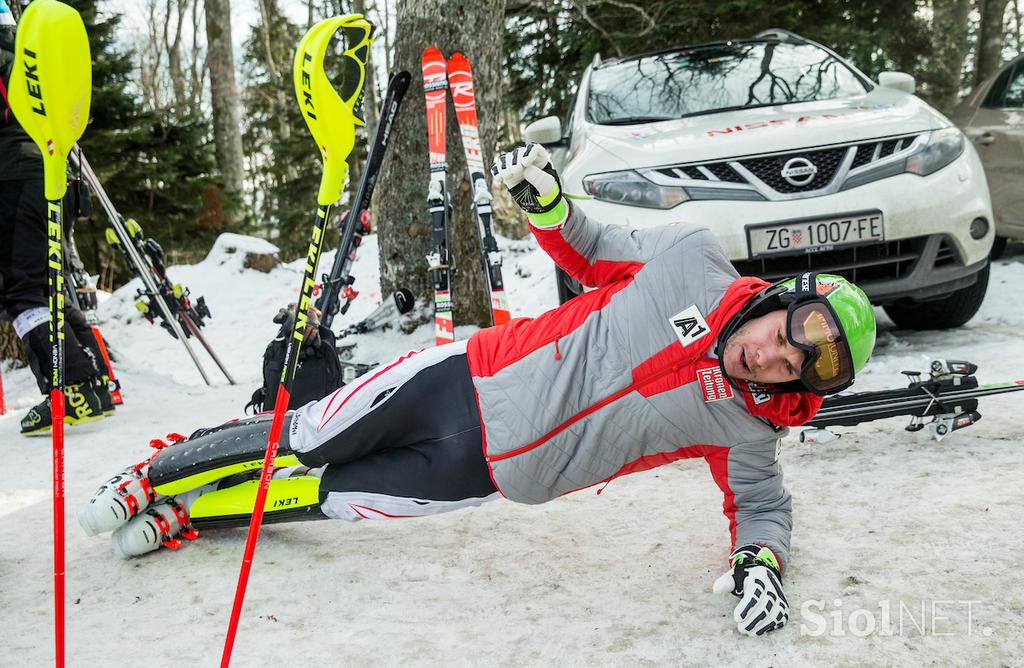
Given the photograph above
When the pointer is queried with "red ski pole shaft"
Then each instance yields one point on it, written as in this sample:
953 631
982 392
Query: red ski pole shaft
55 262
332 120
280 408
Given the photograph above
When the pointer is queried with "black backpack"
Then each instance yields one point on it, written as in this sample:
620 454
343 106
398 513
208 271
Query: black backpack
318 373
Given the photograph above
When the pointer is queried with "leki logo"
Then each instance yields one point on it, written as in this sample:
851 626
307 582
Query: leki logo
307 89
35 88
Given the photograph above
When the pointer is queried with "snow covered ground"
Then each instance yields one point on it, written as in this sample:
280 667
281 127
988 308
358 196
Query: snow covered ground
904 551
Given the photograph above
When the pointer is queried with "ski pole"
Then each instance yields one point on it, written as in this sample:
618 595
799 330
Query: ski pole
50 92
338 280
331 119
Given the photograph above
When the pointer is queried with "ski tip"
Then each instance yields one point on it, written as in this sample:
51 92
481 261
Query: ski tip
459 60
432 53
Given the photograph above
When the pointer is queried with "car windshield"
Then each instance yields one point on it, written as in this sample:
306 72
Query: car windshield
716 78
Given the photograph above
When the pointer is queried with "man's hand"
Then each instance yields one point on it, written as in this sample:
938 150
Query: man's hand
531 180
756 580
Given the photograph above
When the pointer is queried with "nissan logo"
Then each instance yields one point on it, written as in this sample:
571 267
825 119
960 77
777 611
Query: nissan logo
799 171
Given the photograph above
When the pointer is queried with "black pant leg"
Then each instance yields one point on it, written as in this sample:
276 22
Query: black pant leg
425 397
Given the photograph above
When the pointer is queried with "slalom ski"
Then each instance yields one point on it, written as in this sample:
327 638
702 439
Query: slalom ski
439 260
338 283
170 301
949 396
460 81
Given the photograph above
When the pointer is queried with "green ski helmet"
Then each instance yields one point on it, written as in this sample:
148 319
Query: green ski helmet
828 317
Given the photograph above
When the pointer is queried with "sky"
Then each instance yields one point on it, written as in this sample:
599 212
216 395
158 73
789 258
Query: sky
244 14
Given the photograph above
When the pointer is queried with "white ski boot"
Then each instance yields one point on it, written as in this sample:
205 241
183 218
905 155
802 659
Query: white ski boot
158 525
124 496
118 500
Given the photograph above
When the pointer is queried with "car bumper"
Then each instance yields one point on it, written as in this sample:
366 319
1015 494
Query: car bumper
928 250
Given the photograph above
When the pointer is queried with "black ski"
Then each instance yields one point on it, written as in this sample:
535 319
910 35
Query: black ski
949 396
338 283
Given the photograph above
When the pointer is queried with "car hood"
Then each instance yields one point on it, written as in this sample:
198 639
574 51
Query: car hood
785 127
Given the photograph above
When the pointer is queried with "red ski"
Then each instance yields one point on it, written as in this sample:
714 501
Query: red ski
439 260
460 81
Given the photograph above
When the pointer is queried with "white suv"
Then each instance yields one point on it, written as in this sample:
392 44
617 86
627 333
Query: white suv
795 159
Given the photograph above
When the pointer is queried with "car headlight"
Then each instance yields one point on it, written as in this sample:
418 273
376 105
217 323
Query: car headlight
942 148
631 189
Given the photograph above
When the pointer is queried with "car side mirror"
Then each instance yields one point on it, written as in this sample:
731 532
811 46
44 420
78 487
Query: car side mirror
897 81
546 131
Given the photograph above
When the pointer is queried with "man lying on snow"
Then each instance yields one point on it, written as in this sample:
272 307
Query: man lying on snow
658 363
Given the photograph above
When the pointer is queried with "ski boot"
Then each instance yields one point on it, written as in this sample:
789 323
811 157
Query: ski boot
158 525
107 404
118 500
81 405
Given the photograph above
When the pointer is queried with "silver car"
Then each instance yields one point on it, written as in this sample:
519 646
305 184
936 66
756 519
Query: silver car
992 117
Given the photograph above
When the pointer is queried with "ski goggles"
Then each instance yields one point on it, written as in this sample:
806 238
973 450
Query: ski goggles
812 326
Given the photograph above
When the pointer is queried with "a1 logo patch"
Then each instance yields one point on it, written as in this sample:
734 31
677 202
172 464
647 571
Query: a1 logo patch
689 325
713 385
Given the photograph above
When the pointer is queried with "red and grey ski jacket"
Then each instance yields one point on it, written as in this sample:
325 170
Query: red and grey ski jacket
620 380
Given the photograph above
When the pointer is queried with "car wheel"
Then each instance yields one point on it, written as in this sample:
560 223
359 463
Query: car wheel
568 287
998 248
951 311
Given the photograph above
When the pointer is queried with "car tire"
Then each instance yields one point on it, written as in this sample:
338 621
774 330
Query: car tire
998 248
951 311
568 287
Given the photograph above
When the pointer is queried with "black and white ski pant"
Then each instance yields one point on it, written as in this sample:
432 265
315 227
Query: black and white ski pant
404 440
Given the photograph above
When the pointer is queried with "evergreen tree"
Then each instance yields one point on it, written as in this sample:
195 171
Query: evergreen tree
282 163
153 165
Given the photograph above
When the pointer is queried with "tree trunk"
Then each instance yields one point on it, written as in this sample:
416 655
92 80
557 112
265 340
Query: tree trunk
227 134
949 44
991 31
173 45
10 345
476 29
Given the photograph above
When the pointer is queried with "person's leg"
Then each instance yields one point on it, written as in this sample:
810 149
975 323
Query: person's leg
23 243
414 481
426 478
416 399
420 397
444 470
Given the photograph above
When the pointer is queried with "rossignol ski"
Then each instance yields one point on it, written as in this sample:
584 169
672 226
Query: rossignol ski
338 283
440 263
949 396
460 82
171 302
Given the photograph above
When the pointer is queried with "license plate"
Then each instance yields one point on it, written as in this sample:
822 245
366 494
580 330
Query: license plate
817 234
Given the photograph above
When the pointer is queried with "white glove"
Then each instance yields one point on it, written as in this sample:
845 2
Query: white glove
756 580
527 173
